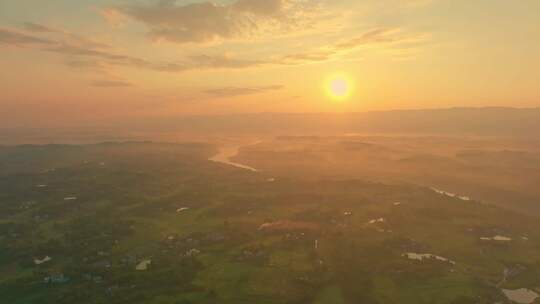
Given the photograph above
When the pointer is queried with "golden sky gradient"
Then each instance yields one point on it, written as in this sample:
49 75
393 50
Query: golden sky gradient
67 62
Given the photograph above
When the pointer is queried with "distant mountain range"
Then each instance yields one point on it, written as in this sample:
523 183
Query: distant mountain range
491 121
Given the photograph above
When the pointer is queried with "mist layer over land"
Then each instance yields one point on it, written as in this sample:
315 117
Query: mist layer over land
494 122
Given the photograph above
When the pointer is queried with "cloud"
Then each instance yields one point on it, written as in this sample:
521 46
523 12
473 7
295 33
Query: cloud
374 36
62 36
240 91
260 7
307 57
93 58
204 22
35 27
389 37
195 62
85 54
113 17
110 84
14 38
98 60
109 57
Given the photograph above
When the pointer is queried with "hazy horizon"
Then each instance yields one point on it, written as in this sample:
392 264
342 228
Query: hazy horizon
519 123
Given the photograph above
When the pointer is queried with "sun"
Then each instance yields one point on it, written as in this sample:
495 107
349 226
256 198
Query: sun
338 87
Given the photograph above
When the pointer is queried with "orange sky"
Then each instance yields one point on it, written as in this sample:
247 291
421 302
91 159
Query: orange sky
91 62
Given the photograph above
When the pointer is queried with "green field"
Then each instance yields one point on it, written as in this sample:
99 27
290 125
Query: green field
318 245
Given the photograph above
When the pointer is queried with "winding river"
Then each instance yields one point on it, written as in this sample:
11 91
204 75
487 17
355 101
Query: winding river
226 153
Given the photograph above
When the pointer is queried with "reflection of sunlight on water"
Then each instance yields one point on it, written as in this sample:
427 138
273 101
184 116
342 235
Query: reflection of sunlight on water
450 194
225 154
498 238
422 256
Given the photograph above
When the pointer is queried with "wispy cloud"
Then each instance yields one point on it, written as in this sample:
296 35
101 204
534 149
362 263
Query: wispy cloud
239 91
62 36
93 55
84 53
382 37
14 38
35 27
374 36
195 62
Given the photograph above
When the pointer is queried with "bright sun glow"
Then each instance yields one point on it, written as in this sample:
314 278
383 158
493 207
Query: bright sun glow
338 87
